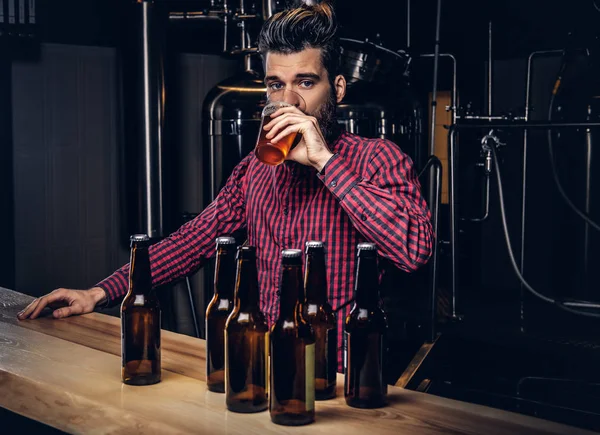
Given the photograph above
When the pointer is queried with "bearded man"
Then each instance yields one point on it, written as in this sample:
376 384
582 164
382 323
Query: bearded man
336 187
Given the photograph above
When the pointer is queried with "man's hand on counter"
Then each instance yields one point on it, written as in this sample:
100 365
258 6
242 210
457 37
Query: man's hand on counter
65 303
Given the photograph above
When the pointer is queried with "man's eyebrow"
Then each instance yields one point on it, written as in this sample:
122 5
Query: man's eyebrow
308 76
298 76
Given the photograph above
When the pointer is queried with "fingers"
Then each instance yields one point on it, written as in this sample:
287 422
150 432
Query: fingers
286 120
67 311
285 113
287 109
23 314
280 120
295 128
34 309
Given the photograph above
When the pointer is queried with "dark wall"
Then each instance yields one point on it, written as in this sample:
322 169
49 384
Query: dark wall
7 262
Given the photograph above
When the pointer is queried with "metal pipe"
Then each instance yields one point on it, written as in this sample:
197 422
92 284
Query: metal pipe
588 188
435 76
528 85
242 26
488 118
435 262
434 164
193 16
454 97
267 9
524 185
490 69
452 163
151 42
526 125
407 24
486 212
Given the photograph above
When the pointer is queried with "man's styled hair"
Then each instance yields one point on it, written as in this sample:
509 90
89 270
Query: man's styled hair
307 26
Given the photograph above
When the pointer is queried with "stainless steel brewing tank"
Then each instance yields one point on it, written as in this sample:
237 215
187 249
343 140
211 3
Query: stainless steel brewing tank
232 112
376 111
379 102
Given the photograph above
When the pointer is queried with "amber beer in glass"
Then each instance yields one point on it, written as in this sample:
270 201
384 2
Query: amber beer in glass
292 384
320 315
217 312
275 153
246 341
365 337
140 320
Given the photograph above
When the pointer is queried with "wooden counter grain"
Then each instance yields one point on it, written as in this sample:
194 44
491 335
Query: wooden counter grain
66 373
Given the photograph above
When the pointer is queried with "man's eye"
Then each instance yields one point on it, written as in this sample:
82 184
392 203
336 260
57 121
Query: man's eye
306 84
275 86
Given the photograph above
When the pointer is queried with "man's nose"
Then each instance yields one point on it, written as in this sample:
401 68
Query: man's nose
291 99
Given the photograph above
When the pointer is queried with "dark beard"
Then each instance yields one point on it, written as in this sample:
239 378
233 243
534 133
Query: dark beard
327 118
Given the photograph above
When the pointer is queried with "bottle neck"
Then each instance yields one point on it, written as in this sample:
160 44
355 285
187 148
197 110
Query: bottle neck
367 283
315 279
140 279
292 291
247 285
225 274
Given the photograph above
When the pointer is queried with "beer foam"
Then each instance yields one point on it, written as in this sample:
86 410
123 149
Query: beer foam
274 106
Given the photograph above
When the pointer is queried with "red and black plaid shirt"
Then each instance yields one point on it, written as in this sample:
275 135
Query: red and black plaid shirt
368 191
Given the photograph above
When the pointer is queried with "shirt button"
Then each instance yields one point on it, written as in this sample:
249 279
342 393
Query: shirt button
278 293
285 211
333 183
363 217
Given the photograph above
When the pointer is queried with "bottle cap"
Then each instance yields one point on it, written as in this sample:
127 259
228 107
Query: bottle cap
369 249
366 246
225 241
314 244
291 253
135 238
247 252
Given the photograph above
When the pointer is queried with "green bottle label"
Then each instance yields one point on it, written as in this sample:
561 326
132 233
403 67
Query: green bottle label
309 363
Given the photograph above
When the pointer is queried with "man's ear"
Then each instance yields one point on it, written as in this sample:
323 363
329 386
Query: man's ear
339 83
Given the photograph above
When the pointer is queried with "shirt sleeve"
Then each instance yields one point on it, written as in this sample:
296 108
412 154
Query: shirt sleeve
185 251
384 203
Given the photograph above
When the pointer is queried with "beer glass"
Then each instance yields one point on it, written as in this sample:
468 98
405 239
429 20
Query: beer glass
275 153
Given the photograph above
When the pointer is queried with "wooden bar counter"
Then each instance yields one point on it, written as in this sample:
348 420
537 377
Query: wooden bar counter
67 374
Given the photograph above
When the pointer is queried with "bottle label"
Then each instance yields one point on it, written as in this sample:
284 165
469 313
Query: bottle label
309 352
331 349
345 351
139 300
267 365
122 341
226 372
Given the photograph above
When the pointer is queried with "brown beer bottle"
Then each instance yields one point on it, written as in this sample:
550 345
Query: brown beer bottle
140 320
246 341
292 385
321 317
217 312
365 337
